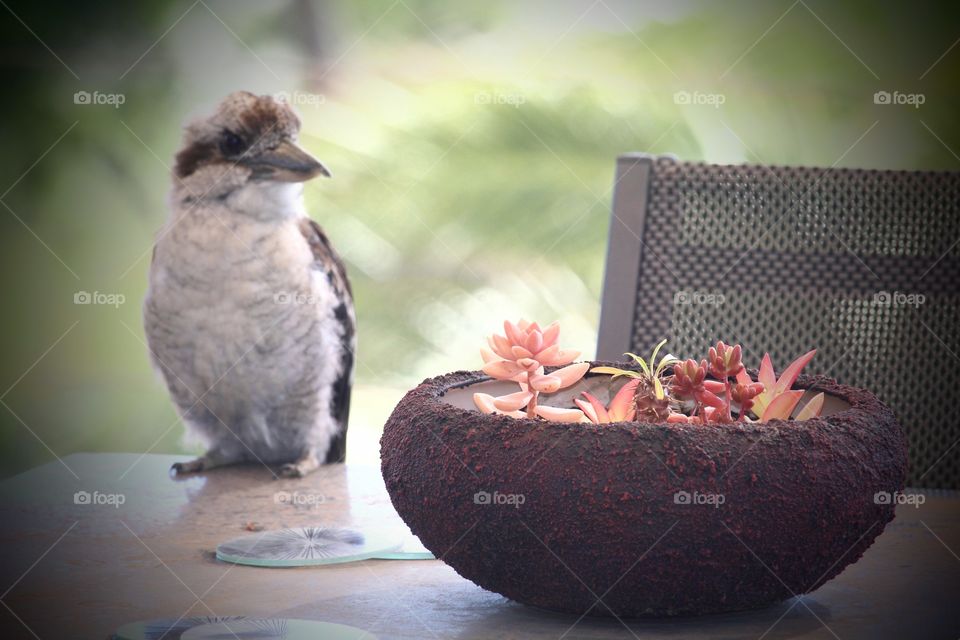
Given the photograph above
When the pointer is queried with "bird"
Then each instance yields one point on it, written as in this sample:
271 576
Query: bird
249 313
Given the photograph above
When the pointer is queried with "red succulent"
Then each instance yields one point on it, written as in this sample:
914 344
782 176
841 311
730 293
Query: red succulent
725 360
688 378
743 394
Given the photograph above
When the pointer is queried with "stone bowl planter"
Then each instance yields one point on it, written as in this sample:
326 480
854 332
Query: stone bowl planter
638 519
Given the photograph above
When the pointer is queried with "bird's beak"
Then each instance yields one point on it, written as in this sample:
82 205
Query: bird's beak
286 163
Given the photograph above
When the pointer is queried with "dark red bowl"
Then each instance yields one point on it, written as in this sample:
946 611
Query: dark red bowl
638 519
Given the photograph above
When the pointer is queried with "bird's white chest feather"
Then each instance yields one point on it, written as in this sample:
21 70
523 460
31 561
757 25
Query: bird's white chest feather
235 303
238 248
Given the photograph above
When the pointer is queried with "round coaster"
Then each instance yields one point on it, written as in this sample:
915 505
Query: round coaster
306 546
411 549
166 628
276 629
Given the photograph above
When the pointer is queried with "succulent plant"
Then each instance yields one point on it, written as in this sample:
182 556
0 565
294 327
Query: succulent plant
621 409
651 401
777 400
689 396
725 360
745 394
520 356
688 379
715 390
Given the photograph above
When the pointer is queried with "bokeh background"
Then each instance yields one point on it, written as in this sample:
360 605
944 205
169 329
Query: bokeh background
472 145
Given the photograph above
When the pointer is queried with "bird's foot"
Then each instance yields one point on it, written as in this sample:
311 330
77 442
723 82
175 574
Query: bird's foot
193 466
305 465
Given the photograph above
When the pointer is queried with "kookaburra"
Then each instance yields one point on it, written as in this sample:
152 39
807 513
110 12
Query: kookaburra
249 314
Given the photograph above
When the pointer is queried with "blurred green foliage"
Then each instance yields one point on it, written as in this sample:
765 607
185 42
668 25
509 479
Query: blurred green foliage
472 146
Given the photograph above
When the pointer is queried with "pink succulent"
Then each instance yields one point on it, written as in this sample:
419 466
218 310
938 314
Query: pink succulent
777 400
621 409
744 393
556 414
525 343
520 356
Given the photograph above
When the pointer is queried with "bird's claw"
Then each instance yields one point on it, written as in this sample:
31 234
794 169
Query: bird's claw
306 464
181 468
291 470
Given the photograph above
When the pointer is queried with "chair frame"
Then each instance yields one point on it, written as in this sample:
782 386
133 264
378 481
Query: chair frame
624 254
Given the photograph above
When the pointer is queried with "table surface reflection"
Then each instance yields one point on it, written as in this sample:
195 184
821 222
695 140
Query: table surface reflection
72 569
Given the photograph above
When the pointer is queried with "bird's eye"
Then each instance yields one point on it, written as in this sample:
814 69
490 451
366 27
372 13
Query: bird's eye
231 144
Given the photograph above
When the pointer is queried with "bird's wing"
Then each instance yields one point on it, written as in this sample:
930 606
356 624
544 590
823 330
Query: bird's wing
326 260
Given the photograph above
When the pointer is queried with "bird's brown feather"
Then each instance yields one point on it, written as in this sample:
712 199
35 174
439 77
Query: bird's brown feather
327 261
325 258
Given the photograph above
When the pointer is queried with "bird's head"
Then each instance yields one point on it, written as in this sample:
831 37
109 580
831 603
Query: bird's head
248 141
